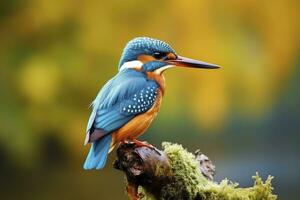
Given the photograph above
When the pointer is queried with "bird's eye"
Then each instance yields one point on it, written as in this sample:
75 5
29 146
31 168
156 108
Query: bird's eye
159 55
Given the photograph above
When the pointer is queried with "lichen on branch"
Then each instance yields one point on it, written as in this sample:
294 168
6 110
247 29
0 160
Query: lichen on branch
180 176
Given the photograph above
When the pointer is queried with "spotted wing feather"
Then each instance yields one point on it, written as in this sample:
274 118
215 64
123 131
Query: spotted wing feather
141 101
124 97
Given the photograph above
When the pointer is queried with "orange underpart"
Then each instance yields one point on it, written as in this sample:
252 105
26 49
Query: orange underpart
138 125
159 78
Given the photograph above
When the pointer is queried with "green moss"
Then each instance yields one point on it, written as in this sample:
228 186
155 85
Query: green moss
190 184
188 178
229 191
144 194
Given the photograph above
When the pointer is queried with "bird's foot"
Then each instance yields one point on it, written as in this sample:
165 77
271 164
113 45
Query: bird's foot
142 144
126 142
123 142
145 144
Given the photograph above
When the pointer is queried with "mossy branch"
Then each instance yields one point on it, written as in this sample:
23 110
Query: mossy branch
175 173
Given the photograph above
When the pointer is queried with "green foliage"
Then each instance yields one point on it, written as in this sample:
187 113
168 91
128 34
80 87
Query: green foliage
190 184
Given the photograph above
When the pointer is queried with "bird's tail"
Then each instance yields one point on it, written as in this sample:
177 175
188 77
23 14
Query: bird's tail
97 156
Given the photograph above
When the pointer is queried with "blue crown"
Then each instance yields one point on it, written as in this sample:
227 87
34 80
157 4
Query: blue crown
143 45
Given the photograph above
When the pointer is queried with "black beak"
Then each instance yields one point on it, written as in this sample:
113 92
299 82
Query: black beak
187 62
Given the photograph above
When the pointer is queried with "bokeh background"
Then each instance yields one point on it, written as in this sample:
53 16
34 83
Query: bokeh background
56 55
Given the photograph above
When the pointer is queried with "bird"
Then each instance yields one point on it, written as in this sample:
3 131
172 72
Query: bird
128 103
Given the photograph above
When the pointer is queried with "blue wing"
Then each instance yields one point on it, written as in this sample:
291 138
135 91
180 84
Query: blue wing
124 97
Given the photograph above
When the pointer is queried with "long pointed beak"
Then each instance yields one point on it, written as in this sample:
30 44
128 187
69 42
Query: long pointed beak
187 62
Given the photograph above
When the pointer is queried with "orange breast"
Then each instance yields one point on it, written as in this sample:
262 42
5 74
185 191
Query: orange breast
139 124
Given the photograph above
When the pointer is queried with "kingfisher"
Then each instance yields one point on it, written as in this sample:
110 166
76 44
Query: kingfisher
128 103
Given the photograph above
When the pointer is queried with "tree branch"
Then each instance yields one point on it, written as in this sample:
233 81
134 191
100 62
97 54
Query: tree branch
175 173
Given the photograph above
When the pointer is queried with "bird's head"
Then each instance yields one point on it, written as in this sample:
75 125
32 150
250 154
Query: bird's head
152 55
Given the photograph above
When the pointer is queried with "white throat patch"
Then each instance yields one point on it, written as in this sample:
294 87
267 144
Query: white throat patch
162 69
131 64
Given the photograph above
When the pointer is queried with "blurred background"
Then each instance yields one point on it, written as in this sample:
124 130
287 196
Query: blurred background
56 55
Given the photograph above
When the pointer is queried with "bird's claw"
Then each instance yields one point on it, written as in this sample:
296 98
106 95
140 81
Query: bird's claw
145 144
142 144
